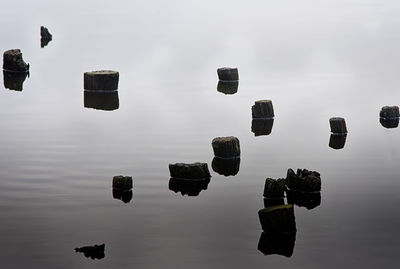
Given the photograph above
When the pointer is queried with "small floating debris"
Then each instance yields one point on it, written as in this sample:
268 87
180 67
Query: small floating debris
190 187
389 112
106 101
228 87
262 126
303 180
14 80
189 171
103 80
308 200
45 35
93 252
122 182
277 219
226 167
337 141
274 188
226 147
277 243
228 74
262 109
12 61
338 126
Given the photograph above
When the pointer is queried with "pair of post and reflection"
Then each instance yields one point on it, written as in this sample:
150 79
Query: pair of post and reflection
277 219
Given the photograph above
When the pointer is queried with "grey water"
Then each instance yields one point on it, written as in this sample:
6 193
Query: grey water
314 60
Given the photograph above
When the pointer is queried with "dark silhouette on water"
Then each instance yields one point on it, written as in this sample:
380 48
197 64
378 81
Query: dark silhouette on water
277 243
226 167
262 126
228 87
226 147
190 187
303 180
189 170
124 196
14 80
337 141
107 101
45 36
389 123
93 252
12 61
269 202
308 200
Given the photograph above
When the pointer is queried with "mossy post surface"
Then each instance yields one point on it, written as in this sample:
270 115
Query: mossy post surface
226 147
338 125
389 112
278 219
189 171
104 80
12 61
274 188
303 180
228 74
262 109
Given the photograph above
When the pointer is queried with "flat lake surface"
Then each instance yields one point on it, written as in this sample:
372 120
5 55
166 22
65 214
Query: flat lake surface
314 60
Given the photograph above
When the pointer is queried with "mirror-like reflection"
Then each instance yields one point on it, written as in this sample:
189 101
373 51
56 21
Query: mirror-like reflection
389 123
107 101
14 80
93 252
124 196
226 167
308 200
228 87
277 243
262 126
337 141
190 187
45 35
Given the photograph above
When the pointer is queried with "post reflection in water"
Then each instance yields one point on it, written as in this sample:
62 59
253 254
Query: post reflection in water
14 80
226 167
277 243
190 187
93 252
123 195
262 126
308 200
228 87
107 101
389 123
337 141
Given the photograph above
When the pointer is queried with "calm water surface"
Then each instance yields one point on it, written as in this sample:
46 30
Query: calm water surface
313 59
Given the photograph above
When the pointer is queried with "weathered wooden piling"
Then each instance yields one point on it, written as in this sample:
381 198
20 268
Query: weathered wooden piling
338 126
262 126
274 188
262 109
190 187
226 167
14 80
277 219
228 74
189 171
389 112
303 180
337 141
12 61
122 182
226 147
107 101
104 80
228 87
277 243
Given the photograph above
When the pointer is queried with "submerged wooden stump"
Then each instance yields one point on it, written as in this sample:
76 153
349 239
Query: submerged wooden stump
338 125
262 109
189 171
122 182
226 147
389 112
277 219
303 180
274 188
14 80
277 243
228 74
12 61
104 80
228 87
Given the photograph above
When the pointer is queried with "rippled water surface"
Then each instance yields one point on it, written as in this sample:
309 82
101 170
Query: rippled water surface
313 59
